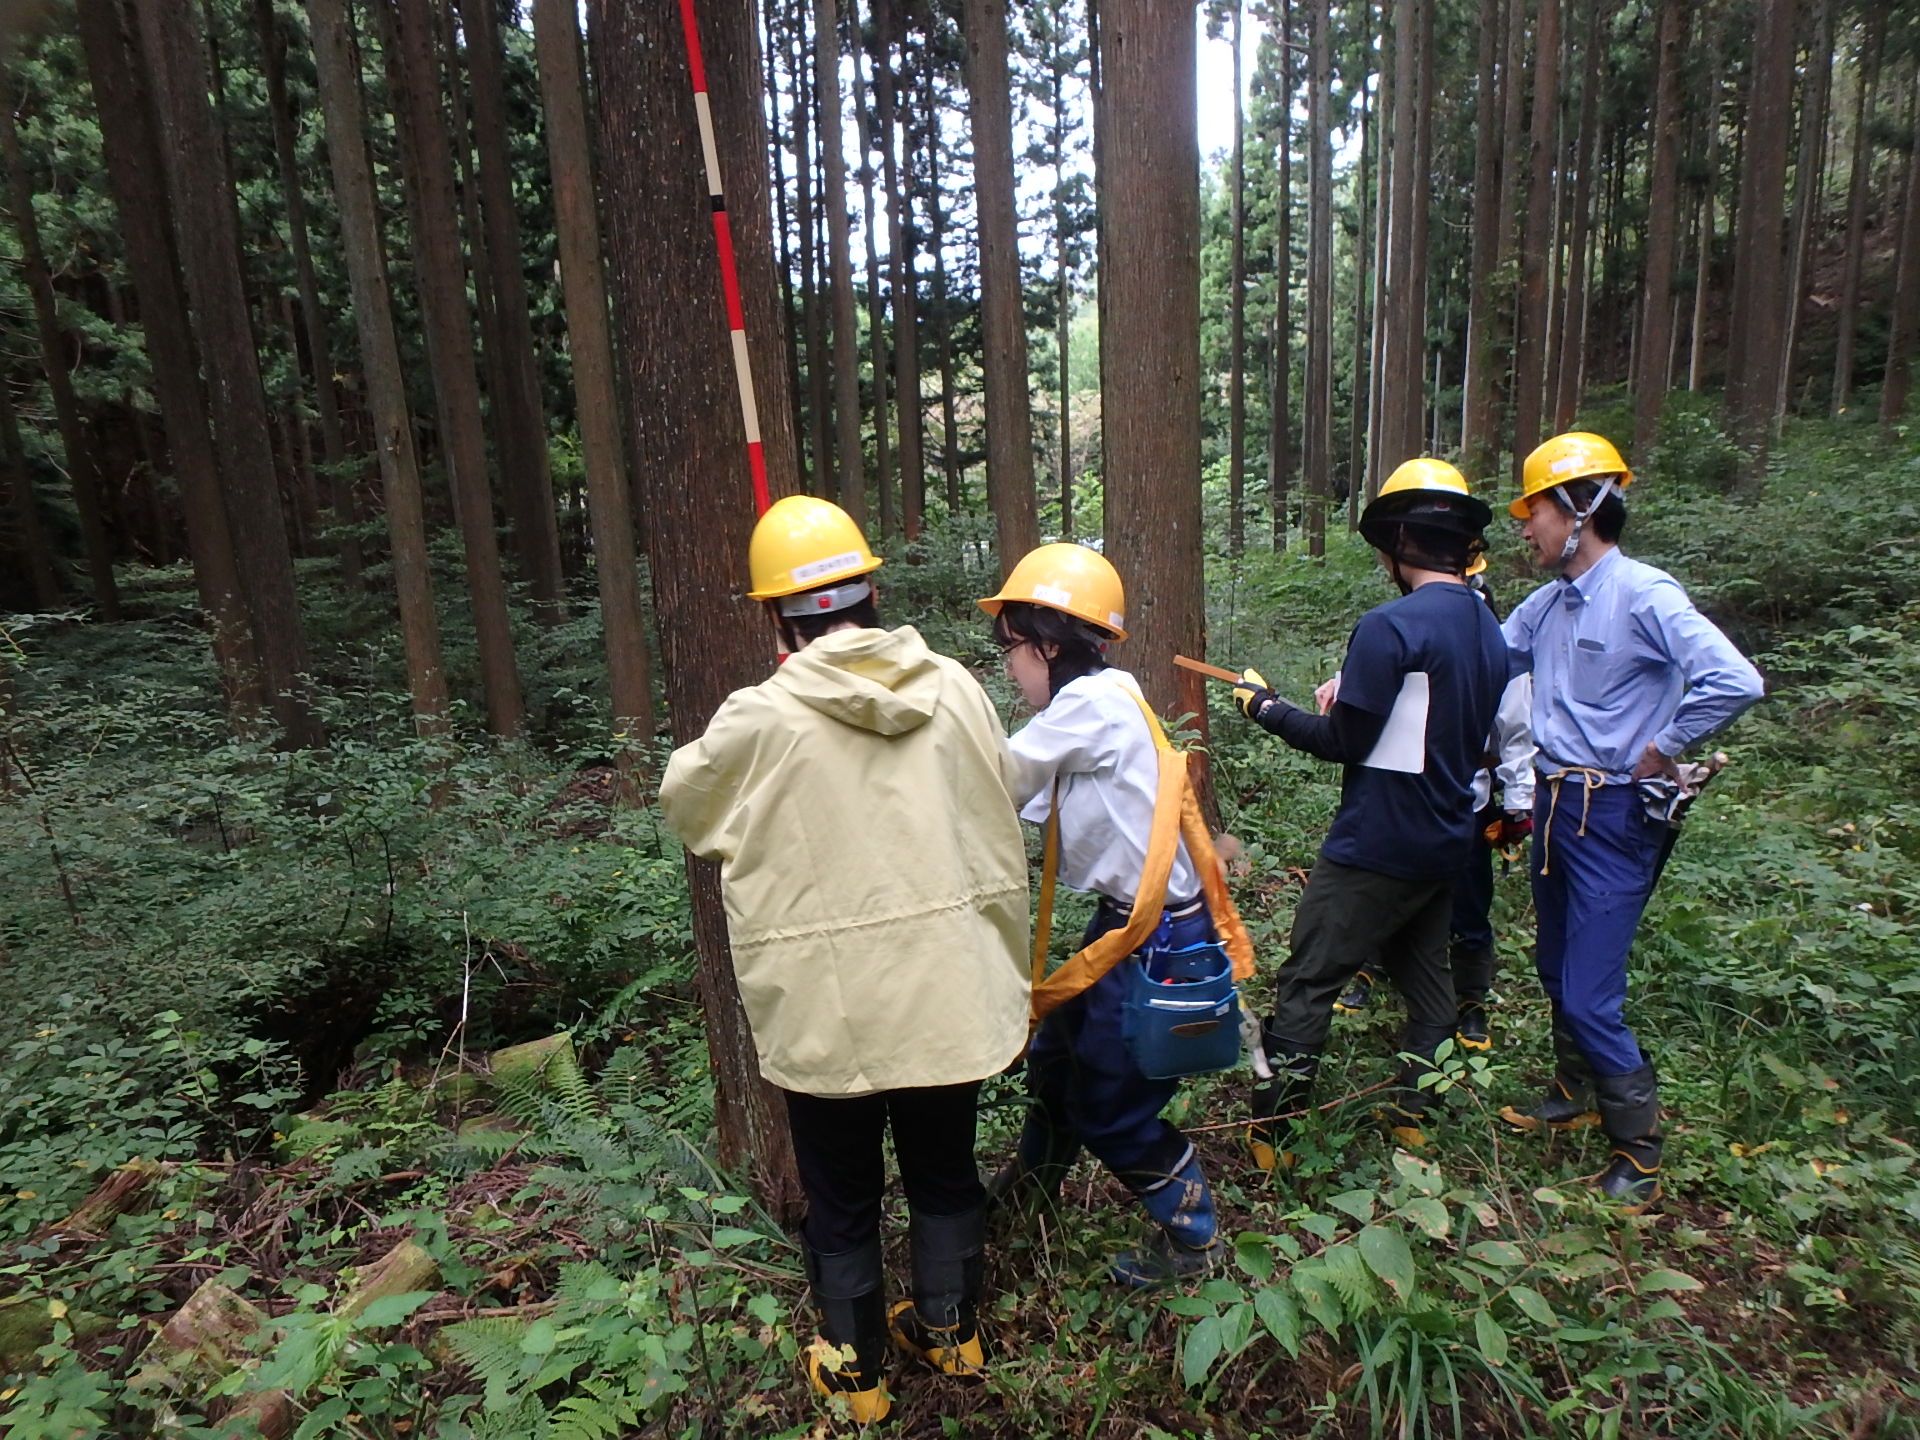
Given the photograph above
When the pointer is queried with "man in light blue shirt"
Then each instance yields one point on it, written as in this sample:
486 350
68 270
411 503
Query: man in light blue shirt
1627 676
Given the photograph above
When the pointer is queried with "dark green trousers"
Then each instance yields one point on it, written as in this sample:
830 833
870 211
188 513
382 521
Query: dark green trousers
1351 920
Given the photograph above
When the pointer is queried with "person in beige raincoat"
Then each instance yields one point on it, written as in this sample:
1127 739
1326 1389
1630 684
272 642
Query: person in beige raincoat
875 881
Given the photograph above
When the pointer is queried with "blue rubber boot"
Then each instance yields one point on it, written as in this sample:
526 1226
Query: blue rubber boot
1181 1204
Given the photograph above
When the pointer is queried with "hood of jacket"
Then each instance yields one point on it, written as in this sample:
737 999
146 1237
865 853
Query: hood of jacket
885 681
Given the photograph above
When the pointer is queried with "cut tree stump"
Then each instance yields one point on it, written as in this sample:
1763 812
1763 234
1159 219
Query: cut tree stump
121 1193
540 1062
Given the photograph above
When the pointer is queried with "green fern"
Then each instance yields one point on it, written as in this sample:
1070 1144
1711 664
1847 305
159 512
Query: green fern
605 1410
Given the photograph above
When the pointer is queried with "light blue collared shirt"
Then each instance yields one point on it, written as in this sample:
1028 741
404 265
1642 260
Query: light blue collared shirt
1620 658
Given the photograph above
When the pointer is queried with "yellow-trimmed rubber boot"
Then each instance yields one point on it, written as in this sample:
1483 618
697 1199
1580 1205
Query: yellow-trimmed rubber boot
1630 1112
940 1324
1354 998
848 1360
1568 1103
1288 1090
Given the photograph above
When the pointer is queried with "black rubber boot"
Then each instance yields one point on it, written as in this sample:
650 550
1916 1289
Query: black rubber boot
1568 1103
853 1313
1354 998
940 1324
1630 1113
1472 980
1407 1112
1039 1166
1294 1069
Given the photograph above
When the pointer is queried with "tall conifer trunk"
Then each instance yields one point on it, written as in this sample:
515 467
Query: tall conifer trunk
1663 204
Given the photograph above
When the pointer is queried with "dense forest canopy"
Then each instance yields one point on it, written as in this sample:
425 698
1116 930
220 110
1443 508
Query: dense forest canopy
375 486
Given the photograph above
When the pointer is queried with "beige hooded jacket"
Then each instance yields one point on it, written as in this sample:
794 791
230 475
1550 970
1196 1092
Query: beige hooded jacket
874 871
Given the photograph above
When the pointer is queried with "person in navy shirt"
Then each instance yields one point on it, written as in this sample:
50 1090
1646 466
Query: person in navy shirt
1627 676
1422 678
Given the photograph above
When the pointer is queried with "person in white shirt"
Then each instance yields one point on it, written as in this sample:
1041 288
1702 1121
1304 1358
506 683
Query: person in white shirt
1090 753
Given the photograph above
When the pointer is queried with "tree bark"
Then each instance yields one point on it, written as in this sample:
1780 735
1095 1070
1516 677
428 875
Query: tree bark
83 468
1858 188
1237 311
852 484
812 318
526 469
207 220
1003 320
1150 340
1758 312
1403 380
1703 269
876 297
1809 176
35 555
1650 383
950 456
440 274
1280 410
1477 439
1906 301
336 64
1586 156
333 444
556 31
1529 359
1382 227
1318 408
1362 253
136 175
906 328
690 437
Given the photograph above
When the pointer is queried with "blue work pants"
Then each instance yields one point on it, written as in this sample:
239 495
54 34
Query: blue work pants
1594 855
1082 1078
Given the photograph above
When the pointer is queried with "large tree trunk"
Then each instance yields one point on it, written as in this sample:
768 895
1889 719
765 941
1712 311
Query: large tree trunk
34 554
1703 269
525 468
441 276
136 175
1377 371
1003 320
1477 425
1809 190
1318 418
1530 350
1573 308
1866 82
337 66
852 484
1362 254
1663 204
1403 380
333 444
206 217
1280 385
813 320
556 30
906 328
1906 301
1150 340
876 297
950 456
1237 311
83 468
691 438
1757 314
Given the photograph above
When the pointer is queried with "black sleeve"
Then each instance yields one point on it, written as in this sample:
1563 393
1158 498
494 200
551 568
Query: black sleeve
1345 735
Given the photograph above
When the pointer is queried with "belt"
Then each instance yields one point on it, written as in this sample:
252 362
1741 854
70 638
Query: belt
1176 909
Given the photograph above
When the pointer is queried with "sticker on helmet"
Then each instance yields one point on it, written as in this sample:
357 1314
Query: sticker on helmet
832 565
1052 595
1566 463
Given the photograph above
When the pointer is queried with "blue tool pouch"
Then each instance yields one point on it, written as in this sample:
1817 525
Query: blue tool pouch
1181 1015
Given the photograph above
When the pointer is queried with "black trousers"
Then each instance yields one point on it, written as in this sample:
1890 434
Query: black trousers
1350 920
837 1142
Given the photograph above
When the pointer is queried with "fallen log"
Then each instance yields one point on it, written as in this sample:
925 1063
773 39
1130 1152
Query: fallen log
123 1192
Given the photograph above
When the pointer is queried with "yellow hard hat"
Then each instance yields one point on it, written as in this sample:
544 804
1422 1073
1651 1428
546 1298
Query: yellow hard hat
1478 567
803 543
1428 492
1070 578
1575 455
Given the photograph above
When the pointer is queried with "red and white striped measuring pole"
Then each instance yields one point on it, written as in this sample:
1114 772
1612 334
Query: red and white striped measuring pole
729 274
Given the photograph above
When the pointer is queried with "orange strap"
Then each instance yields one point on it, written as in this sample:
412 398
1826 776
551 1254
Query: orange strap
1176 815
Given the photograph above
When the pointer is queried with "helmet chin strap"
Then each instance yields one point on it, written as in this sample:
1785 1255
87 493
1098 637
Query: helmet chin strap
1580 517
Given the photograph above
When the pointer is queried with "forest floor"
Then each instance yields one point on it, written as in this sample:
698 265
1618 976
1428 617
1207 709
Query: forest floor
252 992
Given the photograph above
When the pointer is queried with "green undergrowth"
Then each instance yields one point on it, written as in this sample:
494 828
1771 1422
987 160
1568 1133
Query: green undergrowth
274 977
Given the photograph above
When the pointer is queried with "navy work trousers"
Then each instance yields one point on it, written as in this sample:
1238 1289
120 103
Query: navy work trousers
1081 1075
1594 855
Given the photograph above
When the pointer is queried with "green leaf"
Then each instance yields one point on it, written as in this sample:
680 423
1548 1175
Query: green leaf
1311 1283
764 1308
1422 1175
1491 1338
1281 1317
1497 1252
1388 1256
1429 1215
1254 1255
1202 1348
392 1309
1655 1280
1357 1203
1534 1306
1192 1306
729 1235
540 1338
